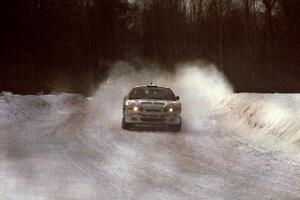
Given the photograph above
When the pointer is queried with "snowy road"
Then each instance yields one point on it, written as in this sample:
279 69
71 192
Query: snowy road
66 147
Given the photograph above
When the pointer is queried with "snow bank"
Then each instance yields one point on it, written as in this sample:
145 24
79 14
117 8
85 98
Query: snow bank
16 107
271 120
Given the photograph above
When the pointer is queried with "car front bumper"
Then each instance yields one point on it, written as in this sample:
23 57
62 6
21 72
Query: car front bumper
152 119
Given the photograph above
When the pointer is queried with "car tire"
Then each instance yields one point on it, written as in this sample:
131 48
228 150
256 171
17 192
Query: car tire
126 126
176 127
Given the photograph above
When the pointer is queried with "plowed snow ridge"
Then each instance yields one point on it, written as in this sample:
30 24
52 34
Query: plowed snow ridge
270 120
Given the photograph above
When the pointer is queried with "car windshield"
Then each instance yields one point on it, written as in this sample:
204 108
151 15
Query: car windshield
152 93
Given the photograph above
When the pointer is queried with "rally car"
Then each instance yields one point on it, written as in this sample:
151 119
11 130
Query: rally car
151 106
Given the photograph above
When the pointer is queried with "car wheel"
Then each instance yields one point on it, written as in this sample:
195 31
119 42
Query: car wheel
125 125
176 128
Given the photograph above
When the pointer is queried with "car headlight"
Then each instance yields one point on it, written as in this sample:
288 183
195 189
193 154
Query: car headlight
170 109
130 105
135 108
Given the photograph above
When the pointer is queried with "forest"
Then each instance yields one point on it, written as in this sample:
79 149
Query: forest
71 44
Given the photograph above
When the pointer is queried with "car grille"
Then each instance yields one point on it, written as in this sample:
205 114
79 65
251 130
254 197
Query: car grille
153 110
153 120
156 103
147 102
154 116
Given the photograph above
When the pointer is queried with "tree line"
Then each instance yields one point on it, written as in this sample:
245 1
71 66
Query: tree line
71 44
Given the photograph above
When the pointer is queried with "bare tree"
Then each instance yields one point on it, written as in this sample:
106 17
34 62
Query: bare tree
220 32
269 5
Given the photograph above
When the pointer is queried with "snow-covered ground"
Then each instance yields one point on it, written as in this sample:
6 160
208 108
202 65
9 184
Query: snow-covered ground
232 146
67 147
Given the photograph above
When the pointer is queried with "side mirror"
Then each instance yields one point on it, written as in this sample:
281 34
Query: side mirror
177 98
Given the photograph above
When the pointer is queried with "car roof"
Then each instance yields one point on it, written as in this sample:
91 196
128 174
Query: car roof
149 86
